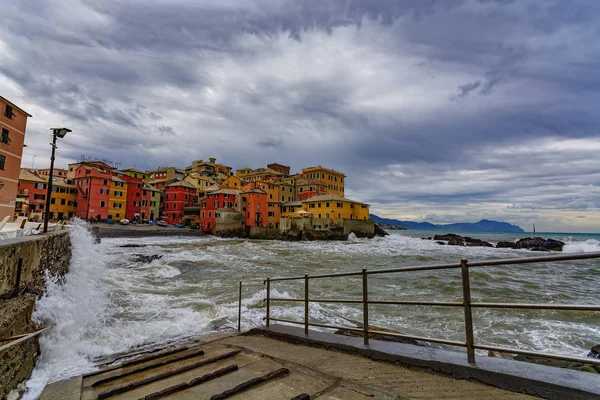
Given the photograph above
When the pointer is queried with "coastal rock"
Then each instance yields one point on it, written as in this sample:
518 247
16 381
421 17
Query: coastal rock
379 231
457 240
499 354
506 245
146 259
594 352
539 244
133 245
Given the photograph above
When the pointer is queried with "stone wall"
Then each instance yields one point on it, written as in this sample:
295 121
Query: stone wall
324 228
50 252
40 254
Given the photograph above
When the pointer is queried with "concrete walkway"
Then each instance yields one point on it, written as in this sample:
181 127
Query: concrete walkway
259 367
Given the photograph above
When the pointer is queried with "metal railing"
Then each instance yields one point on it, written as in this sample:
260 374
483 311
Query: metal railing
466 303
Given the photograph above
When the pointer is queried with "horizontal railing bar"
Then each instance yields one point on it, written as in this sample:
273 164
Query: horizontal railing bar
415 268
537 306
421 338
527 260
399 335
537 354
419 303
317 276
284 299
488 263
357 301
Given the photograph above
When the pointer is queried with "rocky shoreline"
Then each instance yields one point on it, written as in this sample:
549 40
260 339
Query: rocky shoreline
533 244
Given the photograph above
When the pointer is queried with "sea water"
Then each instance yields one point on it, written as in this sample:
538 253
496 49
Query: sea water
112 303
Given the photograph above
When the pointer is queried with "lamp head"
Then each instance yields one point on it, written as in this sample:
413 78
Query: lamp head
60 132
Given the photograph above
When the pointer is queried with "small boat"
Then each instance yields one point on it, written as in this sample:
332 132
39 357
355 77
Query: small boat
124 221
162 223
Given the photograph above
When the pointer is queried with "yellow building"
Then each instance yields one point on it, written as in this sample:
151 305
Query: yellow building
154 201
243 172
332 180
64 199
117 203
327 206
233 182
136 173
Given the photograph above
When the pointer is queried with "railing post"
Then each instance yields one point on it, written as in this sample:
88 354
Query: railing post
466 286
268 301
240 309
365 292
306 304
18 281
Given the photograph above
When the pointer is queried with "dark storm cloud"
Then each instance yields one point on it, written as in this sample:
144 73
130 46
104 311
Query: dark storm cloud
455 109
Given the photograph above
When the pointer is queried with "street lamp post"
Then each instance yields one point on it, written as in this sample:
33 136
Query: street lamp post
56 133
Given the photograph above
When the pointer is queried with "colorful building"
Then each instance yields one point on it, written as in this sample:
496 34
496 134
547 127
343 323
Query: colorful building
332 180
118 199
254 207
13 122
335 207
136 173
93 182
63 204
57 172
215 202
177 196
233 182
31 196
284 169
135 198
154 202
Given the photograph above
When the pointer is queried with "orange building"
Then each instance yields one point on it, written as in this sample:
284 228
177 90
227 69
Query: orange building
329 179
254 207
13 122
31 198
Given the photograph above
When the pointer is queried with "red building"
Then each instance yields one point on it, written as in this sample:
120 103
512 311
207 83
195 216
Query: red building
92 180
213 202
310 188
178 195
254 207
31 195
284 169
133 208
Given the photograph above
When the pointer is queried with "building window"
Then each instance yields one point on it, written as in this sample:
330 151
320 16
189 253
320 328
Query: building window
5 138
8 111
39 196
339 215
105 182
311 205
102 203
209 214
52 201
63 202
39 185
319 215
103 191
327 204
340 205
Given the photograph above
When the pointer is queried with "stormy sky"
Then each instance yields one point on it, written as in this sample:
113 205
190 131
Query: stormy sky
436 110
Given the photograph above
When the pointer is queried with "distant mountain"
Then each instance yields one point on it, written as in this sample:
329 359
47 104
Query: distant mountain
484 225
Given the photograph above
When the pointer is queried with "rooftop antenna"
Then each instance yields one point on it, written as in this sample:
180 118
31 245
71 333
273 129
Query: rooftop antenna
33 162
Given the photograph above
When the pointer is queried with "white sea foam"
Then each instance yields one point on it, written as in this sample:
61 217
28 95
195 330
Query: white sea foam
589 245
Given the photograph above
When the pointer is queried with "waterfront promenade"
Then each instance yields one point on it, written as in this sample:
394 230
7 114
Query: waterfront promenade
254 366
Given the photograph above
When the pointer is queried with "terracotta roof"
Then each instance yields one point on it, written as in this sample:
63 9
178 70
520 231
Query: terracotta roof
182 183
291 203
226 191
255 190
61 182
331 197
26 175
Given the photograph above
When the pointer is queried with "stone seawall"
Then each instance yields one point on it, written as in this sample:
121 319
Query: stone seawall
49 253
108 231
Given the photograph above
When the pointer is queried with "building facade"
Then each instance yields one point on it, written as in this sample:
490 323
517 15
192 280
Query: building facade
177 196
13 123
